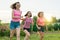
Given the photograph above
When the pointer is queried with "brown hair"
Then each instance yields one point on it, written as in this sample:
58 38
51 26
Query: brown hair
39 13
28 13
13 6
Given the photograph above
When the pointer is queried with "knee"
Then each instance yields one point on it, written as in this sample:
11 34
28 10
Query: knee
28 35
18 35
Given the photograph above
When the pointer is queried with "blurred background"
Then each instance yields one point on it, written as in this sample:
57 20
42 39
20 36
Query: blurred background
51 9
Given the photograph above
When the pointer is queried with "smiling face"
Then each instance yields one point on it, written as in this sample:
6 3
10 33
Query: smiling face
17 5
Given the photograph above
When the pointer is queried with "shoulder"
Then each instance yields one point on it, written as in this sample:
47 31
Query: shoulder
20 11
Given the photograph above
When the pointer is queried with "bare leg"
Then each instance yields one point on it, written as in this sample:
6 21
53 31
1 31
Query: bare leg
42 35
11 34
18 33
27 35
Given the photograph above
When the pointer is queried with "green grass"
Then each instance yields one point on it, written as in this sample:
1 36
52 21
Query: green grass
48 36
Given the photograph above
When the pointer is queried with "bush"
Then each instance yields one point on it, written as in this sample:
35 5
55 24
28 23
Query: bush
7 33
31 28
22 33
56 27
4 32
35 28
59 26
50 27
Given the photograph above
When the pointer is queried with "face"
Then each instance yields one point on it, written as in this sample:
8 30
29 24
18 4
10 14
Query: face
29 14
17 5
41 14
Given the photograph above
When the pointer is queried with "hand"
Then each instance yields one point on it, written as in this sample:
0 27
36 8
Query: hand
21 16
38 27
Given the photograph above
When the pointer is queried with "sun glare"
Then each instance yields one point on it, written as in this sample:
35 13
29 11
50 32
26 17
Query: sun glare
48 18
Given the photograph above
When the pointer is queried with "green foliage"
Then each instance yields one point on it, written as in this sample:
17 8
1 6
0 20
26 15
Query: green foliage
58 20
50 27
34 26
7 33
31 28
59 26
54 20
56 27
35 19
22 33
4 32
47 36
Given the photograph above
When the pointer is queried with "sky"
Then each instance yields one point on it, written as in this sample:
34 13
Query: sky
49 7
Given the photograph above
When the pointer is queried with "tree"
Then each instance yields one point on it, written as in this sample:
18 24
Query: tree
58 20
34 26
53 20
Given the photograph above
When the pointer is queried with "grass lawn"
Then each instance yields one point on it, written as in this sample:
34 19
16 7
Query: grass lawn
48 36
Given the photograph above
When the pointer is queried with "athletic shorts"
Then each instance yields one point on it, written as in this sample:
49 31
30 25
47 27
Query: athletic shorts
28 29
41 28
14 25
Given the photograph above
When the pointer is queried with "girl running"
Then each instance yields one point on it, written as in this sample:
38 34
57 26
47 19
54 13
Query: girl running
15 22
41 24
27 22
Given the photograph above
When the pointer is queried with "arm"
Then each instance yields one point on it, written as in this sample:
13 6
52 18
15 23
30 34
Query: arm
22 18
13 14
37 24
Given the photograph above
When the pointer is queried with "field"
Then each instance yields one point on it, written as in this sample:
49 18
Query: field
48 36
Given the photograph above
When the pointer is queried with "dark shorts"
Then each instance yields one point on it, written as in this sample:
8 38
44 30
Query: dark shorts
41 28
28 29
14 25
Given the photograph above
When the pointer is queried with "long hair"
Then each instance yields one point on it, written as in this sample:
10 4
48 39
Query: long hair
28 13
13 6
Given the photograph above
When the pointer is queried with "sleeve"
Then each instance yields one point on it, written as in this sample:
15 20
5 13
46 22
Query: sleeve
31 20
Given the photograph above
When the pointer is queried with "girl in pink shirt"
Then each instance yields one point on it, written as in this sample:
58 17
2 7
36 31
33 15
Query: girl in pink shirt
41 24
15 22
27 21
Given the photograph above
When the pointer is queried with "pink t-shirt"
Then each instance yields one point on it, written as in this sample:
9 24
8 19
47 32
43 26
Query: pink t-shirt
41 21
17 13
27 22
